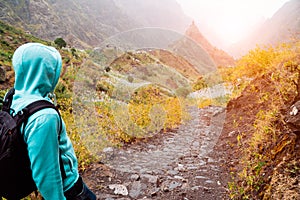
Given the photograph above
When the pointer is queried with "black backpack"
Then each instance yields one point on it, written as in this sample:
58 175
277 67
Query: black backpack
15 173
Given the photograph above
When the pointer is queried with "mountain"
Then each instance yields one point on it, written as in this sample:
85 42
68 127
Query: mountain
281 27
166 14
11 38
122 24
219 57
81 23
85 23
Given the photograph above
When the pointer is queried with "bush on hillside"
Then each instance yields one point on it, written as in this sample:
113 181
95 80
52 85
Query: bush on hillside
60 42
267 149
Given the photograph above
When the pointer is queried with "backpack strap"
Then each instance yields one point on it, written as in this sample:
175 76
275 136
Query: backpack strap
34 107
37 106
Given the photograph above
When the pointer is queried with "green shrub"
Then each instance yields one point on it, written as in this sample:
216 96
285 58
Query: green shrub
104 86
60 42
199 84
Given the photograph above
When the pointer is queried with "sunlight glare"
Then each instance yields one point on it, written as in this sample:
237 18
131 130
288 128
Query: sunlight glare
231 20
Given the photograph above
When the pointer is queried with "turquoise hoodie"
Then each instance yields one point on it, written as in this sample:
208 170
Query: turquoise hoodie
37 70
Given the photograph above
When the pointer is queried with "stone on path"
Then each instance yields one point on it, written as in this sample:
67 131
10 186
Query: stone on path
119 189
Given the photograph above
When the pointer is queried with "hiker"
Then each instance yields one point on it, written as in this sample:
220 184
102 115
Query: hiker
37 70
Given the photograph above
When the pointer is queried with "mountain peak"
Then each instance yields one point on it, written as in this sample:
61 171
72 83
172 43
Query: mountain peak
194 33
220 57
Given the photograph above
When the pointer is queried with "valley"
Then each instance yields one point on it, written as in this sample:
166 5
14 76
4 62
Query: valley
156 111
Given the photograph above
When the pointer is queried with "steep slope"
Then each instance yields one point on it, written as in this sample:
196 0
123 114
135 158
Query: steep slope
80 23
177 62
219 57
10 38
261 132
275 166
141 66
88 23
284 25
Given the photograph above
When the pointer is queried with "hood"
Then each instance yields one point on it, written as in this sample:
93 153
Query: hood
37 69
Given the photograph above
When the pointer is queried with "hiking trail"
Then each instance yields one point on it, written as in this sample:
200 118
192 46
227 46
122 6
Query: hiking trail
181 164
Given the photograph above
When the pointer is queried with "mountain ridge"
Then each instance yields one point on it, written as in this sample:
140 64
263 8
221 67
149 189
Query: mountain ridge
220 57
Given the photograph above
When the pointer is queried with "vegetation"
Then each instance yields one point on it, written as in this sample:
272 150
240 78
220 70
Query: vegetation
11 38
136 97
218 101
124 113
199 84
143 65
60 43
271 78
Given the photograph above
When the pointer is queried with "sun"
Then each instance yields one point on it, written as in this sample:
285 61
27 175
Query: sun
232 29
230 20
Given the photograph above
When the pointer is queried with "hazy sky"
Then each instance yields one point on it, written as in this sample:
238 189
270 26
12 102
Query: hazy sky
231 20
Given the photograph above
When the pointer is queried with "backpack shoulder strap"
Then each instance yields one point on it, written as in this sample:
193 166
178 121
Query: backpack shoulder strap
35 107
39 105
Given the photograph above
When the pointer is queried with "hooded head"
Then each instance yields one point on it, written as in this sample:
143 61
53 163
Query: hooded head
37 69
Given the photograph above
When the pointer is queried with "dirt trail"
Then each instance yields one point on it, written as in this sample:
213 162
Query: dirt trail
178 165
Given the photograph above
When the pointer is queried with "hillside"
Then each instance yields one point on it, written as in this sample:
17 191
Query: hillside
131 94
84 24
11 38
143 66
81 24
283 26
177 62
155 67
219 57
124 99
98 23
261 132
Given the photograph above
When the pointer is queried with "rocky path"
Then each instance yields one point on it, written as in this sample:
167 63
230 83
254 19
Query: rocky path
178 165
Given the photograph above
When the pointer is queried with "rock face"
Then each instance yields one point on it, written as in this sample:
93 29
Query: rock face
220 57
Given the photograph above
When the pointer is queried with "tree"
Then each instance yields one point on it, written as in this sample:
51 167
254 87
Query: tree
60 42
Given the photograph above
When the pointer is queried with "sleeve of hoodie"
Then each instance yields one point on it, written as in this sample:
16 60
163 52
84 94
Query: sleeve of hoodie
41 135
